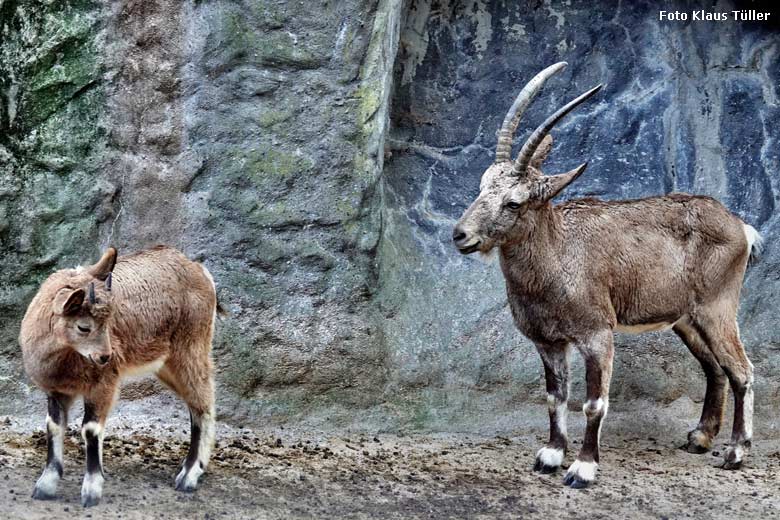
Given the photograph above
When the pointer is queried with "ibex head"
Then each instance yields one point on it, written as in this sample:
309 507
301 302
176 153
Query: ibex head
510 189
80 306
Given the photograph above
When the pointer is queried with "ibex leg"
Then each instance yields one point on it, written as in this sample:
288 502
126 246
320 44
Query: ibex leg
722 336
598 352
556 372
56 426
97 406
700 439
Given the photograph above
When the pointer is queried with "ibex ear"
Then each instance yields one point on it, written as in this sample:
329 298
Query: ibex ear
105 265
68 301
549 186
541 153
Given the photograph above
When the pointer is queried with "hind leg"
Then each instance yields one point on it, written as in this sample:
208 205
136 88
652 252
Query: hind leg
722 335
195 385
700 439
741 378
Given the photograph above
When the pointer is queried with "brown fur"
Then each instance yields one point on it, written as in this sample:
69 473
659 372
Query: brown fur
160 308
577 271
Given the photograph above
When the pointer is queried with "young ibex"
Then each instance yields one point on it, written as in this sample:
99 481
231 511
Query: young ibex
88 327
580 270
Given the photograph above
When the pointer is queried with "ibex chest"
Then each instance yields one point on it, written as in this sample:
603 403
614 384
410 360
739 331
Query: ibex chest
544 321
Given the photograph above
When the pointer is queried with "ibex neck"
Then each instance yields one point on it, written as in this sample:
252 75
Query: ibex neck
46 364
536 253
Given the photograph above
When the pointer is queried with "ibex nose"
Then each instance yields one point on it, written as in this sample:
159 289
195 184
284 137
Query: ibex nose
458 234
465 241
103 359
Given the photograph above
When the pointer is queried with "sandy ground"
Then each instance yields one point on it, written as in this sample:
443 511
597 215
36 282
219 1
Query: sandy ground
291 475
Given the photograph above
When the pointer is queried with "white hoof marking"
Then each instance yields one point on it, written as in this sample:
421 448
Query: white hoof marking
47 483
91 489
188 481
584 471
550 456
734 454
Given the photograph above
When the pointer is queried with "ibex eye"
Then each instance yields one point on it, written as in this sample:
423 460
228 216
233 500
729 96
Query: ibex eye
85 330
514 206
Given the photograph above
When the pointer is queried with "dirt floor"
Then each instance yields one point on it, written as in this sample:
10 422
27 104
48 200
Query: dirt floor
288 475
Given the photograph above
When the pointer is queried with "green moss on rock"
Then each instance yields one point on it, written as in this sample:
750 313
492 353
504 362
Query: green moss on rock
236 40
271 118
52 97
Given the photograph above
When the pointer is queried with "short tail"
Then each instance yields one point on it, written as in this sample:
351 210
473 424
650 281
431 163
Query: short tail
755 243
221 311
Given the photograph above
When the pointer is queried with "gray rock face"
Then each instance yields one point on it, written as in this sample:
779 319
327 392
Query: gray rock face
248 134
286 106
52 201
315 155
686 107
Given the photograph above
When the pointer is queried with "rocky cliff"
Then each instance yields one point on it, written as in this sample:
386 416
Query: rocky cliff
314 155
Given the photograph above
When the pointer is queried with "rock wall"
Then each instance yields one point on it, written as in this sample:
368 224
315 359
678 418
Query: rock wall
248 134
686 107
314 155
52 197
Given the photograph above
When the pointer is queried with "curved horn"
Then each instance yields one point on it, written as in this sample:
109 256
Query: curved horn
535 139
109 278
92 299
105 265
507 132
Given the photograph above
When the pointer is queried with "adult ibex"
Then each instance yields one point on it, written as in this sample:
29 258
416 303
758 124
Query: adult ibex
88 327
577 271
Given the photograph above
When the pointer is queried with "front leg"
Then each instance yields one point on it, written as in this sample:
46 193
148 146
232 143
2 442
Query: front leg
598 352
96 410
56 425
556 372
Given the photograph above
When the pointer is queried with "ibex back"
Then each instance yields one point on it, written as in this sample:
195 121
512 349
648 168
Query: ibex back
89 327
580 270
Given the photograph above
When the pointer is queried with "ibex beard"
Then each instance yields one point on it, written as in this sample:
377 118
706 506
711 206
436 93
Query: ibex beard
577 271
87 328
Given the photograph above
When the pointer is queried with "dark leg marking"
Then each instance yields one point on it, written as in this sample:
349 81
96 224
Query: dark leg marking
56 424
91 430
58 414
182 483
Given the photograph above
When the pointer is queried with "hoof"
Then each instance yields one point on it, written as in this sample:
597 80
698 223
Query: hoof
187 481
90 500
184 486
544 469
580 474
576 483
91 489
733 457
698 442
694 448
40 494
548 460
46 486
